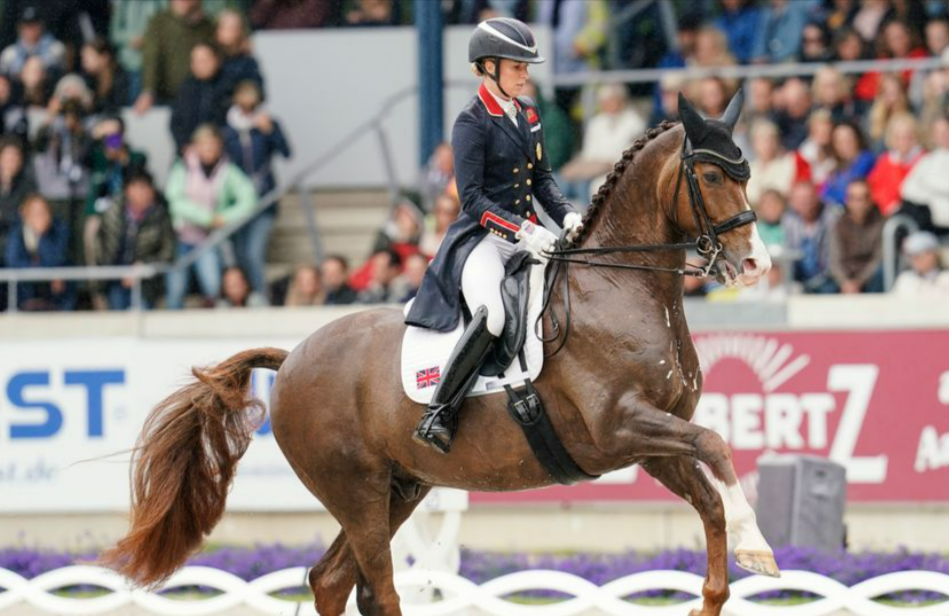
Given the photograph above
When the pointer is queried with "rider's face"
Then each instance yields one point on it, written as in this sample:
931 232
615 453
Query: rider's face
514 77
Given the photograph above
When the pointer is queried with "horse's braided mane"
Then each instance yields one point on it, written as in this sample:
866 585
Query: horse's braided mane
602 195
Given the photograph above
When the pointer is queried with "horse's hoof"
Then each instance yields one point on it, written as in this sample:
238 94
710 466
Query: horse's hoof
761 563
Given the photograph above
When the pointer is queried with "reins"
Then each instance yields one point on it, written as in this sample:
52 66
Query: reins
706 244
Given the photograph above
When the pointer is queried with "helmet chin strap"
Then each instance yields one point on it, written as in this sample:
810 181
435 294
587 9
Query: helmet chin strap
496 76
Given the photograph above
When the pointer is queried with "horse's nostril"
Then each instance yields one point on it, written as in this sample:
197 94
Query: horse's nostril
749 266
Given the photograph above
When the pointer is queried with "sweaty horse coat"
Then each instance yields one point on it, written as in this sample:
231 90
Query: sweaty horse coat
500 169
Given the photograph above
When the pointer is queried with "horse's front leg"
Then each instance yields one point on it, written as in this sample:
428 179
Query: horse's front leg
683 476
641 430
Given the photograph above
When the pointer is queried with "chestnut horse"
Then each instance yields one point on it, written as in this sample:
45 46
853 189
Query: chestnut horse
621 391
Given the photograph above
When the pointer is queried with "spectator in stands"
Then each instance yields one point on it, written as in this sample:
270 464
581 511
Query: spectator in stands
892 167
252 140
33 41
236 292
815 43
205 192
39 239
816 149
36 83
792 117
136 231
385 267
891 100
438 174
937 35
62 147
166 51
112 161
770 210
779 31
238 65
807 228
684 51
771 166
13 120
200 99
126 32
831 91
306 288
290 14
579 30
849 46
334 272
400 233
926 278
840 13
71 87
711 96
558 129
760 103
711 49
739 22
897 41
105 77
607 136
869 18
16 182
852 161
666 105
445 212
927 185
372 13
411 278
856 245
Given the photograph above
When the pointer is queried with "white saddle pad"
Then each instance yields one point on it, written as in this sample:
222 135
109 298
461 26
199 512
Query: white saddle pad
425 352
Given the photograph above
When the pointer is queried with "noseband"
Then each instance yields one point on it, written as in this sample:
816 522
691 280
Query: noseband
706 244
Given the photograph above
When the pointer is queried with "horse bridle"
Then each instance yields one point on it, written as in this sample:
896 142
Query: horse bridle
706 244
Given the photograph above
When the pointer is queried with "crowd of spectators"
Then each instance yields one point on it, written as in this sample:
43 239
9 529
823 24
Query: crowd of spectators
833 155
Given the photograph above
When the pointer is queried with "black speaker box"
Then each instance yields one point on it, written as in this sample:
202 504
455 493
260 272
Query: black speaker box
801 501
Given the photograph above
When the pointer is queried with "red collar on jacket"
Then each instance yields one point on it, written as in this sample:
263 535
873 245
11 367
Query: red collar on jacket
491 103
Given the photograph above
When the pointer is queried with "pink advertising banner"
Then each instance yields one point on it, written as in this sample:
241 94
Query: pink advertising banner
875 401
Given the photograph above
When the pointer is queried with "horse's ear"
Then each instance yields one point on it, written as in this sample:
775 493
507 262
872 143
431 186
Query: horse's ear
694 124
730 118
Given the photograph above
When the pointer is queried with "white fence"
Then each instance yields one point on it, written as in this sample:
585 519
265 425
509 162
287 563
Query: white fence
461 596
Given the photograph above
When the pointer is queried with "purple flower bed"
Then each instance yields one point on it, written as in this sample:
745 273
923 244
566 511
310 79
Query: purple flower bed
479 567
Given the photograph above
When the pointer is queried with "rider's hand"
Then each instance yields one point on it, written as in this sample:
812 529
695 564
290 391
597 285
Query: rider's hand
573 225
537 239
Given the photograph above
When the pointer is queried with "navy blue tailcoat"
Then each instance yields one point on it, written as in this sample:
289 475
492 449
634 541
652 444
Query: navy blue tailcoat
503 173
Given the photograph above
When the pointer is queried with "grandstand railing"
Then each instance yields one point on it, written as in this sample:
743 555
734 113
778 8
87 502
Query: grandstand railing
461 596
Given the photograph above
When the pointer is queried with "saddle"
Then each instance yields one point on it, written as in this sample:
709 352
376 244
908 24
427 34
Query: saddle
514 363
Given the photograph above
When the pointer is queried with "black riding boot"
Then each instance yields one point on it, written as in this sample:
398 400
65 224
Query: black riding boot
437 428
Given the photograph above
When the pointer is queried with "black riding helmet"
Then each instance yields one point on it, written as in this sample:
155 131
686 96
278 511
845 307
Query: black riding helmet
502 37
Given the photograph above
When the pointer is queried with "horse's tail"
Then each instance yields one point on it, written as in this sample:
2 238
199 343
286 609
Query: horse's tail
184 463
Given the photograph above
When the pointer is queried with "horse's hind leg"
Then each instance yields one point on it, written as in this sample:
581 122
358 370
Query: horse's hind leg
333 578
683 476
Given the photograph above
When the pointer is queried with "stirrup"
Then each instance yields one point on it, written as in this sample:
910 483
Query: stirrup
424 435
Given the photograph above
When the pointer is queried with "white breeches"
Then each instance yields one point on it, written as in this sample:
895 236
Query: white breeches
481 279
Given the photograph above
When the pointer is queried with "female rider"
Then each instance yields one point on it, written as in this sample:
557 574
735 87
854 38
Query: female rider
501 168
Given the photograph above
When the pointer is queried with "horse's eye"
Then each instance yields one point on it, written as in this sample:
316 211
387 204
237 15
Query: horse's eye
712 178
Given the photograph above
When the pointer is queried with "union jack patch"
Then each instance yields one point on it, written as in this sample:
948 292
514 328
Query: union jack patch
428 377
532 115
